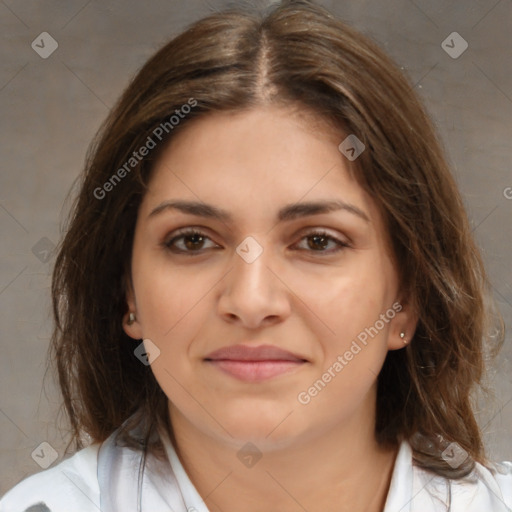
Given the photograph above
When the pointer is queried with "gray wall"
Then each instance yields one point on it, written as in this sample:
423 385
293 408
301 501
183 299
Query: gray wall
52 107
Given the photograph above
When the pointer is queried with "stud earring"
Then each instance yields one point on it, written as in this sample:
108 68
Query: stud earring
402 336
131 318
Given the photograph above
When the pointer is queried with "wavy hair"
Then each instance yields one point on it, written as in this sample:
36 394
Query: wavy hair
297 54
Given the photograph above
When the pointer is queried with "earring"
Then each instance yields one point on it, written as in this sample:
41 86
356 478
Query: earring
131 318
402 336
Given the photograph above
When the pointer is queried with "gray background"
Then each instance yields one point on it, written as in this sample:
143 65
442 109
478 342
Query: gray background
52 107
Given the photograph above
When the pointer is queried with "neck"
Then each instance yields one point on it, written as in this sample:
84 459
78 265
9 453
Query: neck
343 469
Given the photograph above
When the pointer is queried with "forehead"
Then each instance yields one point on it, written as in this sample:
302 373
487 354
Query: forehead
255 160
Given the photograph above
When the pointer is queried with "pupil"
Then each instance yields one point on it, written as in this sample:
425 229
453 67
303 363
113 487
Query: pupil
195 241
316 240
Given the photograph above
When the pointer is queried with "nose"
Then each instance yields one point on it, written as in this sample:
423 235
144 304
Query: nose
254 294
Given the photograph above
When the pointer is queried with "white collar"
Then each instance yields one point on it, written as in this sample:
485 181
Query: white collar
400 490
412 489
401 486
167 486
191 497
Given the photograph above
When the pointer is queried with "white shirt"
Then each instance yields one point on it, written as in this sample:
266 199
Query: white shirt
73 486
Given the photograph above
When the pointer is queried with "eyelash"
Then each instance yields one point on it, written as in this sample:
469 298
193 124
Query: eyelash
186 232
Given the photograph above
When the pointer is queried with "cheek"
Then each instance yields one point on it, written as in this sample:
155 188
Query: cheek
344 300
173 304
169 297
352 353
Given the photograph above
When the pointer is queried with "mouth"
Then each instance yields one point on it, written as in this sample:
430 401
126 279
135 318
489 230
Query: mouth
254 364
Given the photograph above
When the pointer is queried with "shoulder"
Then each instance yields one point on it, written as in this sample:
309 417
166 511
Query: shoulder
488 485
502 474
70 485
485 488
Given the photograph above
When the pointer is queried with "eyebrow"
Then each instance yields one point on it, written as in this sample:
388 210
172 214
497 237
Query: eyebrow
287 213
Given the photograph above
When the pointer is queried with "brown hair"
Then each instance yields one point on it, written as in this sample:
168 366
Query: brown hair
294 54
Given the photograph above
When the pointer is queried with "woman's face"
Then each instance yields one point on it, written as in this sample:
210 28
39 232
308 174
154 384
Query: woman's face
268 266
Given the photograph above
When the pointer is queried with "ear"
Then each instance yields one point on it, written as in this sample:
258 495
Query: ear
133 329
405 321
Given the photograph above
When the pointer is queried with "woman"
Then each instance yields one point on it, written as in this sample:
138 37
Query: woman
268 297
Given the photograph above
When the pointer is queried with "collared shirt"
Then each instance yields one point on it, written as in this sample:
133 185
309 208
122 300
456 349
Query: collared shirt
75 485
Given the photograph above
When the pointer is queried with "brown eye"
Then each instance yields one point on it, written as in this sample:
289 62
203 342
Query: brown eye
194 241
319 241
189 241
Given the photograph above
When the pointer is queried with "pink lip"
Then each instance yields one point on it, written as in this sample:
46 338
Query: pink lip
254 364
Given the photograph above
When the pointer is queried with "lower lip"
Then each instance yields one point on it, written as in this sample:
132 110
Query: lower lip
255 371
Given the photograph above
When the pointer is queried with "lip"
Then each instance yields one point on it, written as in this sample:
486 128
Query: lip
242 352
254 364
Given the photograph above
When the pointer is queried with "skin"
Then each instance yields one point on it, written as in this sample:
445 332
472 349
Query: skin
321 456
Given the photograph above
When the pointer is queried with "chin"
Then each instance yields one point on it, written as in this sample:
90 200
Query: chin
269 429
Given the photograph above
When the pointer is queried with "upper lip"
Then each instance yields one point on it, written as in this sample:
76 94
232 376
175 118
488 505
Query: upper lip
248 353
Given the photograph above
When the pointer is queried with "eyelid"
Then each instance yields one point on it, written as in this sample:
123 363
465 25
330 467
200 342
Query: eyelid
339 241
341 237
183 232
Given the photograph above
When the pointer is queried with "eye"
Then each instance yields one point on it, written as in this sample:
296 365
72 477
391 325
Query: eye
318 241
192 242
189 241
